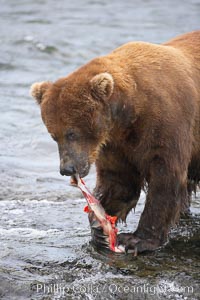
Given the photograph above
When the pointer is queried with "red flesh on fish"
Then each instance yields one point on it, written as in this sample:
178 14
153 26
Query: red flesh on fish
106 222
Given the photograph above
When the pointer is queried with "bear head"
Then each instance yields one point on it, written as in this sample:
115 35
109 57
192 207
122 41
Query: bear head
76 114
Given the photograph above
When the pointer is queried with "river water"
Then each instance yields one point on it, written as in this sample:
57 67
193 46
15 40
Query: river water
45 250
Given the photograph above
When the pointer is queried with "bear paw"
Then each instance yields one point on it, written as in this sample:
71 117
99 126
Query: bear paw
137 245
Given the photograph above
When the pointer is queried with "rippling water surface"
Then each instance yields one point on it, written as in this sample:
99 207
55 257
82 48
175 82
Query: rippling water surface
44 235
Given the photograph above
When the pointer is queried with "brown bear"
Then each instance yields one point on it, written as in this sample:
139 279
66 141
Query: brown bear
135 113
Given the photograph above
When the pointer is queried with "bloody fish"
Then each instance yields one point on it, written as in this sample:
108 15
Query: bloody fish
99 219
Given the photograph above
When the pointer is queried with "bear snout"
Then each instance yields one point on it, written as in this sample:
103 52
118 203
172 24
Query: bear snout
67 170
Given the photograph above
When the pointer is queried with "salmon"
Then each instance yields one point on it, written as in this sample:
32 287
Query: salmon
99 220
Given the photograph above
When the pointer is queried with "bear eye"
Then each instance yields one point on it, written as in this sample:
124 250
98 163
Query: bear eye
71 136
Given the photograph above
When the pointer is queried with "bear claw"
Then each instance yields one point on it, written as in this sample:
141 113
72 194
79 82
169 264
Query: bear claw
136 245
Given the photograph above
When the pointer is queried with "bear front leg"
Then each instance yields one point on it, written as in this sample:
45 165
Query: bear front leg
167 189
118 183
117 194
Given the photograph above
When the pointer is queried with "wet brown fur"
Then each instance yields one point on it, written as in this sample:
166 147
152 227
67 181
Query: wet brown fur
143 128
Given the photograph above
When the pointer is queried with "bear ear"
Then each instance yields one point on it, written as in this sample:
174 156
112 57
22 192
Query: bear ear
37 90
102 86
